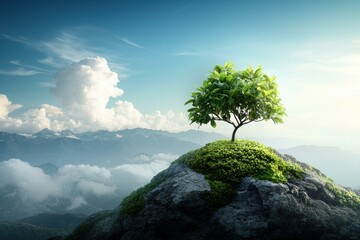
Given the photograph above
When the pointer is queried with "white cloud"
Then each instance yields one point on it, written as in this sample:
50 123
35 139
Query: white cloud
46 84
32 180
76 202
47 116
7 106
77 184
143 172
84 89
187 53
8 123
50 61
170 120
18 63
19 72
63 49
67 47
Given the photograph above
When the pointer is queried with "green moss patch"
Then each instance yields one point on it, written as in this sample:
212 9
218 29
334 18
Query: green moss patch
225 164
221 193
343 196
135 202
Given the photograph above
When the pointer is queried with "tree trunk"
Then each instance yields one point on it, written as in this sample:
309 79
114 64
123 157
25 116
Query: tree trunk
234 132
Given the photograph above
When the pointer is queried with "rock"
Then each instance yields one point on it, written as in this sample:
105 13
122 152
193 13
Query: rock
177 209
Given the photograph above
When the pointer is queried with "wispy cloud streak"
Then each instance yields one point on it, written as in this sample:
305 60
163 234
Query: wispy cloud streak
18 63
187 53
19 72
131 43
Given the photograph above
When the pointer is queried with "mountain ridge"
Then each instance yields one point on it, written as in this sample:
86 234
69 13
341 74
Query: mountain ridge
100 147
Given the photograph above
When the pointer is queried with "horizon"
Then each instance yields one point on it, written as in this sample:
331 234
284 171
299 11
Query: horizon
136 63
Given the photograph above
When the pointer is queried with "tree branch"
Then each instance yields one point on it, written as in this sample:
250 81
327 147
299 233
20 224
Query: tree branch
218 118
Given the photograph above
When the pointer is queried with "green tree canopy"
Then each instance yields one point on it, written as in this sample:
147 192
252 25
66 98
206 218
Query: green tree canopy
236 97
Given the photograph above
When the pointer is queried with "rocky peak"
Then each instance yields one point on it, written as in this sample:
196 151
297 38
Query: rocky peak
176 205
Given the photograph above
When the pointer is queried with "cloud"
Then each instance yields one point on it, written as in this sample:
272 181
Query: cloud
32 180
18 63
143 172
24 70
84 90
63 49
187 53
8 123
18 39
50 61
85 179
131 43
67 47
19 72
47 116
77 185
7 106
46 84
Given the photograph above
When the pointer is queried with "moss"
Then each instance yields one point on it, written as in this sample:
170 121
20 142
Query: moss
225 164
135 202
221 193
343 196
185 157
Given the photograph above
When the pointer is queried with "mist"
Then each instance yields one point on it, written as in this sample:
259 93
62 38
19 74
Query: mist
78 188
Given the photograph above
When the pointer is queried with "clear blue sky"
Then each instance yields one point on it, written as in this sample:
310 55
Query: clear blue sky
162 49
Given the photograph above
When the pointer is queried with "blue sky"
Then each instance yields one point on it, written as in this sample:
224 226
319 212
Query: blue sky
162 49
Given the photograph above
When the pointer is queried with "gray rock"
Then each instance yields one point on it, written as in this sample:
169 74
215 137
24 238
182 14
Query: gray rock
177 209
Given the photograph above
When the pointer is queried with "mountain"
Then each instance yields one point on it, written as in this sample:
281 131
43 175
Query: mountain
65 222
102 147
24 231
197 137
232 191
338 164
103 167
40 227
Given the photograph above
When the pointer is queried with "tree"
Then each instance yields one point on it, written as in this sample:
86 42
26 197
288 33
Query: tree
236 97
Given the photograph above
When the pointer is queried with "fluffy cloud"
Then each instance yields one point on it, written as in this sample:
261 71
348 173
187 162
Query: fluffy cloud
32 180
142 172
78 185
84 89
8 123
6 106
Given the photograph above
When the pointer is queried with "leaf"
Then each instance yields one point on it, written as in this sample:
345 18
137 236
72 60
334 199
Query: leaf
215 90
189 101
213 123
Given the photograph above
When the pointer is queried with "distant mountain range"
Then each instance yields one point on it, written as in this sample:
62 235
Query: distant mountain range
101 147
40 227
131 150
65 222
